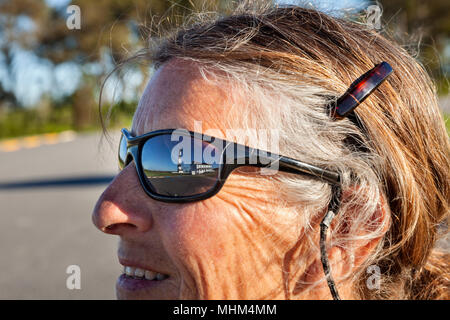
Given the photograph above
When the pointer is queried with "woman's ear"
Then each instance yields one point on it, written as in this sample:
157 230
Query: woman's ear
353 236
360 231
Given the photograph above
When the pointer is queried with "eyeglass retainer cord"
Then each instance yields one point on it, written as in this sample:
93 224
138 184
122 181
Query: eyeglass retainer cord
324 225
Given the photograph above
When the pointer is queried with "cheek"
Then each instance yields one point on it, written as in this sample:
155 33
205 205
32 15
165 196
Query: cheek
227 246
196 232
197 243
226 226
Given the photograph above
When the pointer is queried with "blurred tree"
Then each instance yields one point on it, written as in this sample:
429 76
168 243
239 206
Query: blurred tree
427 22
7 98
14 34
110 30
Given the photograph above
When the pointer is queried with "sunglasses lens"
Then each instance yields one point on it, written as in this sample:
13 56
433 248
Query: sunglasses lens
122 152
180 168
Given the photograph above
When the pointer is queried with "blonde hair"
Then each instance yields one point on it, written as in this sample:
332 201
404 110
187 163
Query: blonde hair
300 60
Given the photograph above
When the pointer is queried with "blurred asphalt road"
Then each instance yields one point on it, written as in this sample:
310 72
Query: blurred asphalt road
47 194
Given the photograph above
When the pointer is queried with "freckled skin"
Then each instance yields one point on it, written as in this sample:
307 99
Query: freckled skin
230 246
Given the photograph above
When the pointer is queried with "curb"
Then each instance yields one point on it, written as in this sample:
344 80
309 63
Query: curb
15 144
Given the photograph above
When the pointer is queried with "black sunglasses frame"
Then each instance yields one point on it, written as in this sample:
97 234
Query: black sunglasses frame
285 164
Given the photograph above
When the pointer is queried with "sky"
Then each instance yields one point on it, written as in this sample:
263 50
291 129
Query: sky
36 77
330 6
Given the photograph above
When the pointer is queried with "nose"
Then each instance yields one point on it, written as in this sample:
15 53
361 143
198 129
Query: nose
124 206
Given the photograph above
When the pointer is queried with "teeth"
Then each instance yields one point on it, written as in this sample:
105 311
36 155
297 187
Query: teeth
150 275
141 273
160 276
129 271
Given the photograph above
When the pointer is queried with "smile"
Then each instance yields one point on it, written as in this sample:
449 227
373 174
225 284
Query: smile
142 274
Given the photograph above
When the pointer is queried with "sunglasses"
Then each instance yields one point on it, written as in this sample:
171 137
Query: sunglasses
181 166
176 165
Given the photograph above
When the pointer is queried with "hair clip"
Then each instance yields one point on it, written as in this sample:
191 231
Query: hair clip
360 89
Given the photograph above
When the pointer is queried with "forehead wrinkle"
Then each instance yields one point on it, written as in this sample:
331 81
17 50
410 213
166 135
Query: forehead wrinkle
177 101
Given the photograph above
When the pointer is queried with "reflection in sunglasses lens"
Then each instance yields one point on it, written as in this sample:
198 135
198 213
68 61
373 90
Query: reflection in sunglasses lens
122 152
180 169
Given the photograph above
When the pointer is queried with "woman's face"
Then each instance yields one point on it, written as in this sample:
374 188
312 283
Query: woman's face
230 246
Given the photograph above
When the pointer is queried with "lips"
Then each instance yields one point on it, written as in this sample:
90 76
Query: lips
135 279
137 276
141 274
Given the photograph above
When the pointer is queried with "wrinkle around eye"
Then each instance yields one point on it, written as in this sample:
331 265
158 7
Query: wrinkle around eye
239 206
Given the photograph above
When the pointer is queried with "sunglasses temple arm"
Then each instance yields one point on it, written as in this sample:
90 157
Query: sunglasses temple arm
289 165
263 159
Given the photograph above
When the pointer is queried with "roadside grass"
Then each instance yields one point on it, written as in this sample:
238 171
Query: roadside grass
447 122
28 122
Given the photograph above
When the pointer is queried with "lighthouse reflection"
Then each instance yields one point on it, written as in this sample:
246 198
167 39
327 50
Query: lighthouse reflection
193 168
